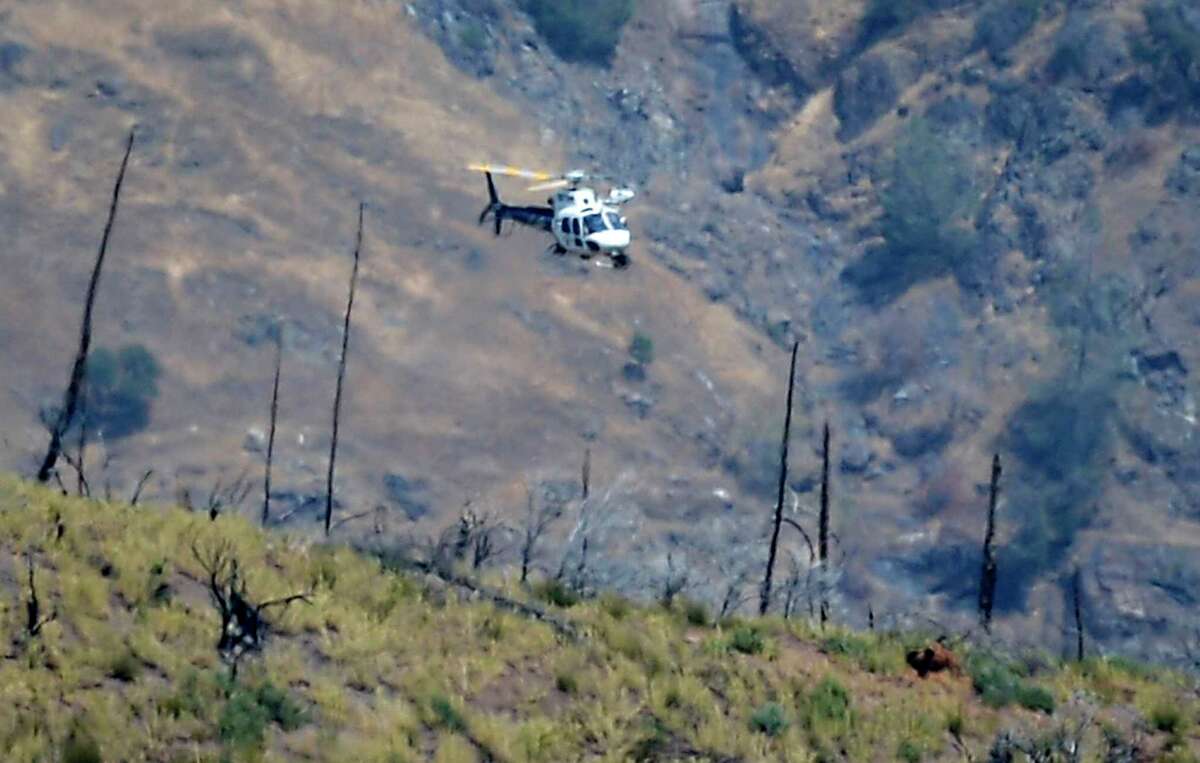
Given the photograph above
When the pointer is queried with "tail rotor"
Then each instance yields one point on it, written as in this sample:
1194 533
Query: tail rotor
494 205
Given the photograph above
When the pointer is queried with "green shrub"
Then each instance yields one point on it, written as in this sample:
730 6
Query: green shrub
447 715
557 593
641 348
909 752
830 700
769 719
472 35
119 389
746 639
617 607
998 685
125 667
927 204
566 682
578 30
696 613
1166 718
187 699
1035 698
248 711
80 747
865 652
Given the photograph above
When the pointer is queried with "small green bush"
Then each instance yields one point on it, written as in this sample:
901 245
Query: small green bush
909 752
641 348
578 30
125 667
769 719
1167 718
746 639
80 747
557 593
447 715
248 711
566 682
1035 698
617 607
999 685
830 700
696 613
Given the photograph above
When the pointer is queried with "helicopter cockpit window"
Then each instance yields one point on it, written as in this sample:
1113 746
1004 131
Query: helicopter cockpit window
575 225
594 223
566 225
614 221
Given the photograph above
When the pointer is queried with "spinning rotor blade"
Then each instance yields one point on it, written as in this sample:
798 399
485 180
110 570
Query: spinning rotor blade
549 185
500 169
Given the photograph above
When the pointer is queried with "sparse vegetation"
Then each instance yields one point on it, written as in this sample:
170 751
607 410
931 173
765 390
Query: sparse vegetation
926 208
384 666
578 30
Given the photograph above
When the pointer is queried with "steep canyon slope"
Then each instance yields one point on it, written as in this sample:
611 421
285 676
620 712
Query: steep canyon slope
977 218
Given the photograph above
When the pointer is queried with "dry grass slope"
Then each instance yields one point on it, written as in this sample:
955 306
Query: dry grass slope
382 666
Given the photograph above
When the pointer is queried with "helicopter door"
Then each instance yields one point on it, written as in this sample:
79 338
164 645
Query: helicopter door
577 231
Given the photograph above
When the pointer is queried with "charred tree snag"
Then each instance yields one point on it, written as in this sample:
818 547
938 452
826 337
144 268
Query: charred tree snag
337 396
243 623
764 599
66 414
987 576
823 524
266 512
34 622
1077 606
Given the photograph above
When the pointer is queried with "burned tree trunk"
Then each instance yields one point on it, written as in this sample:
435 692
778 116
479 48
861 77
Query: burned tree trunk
34 622
337 396
66 414
1077 606
823 525
266 512
987 576
243 623
764 598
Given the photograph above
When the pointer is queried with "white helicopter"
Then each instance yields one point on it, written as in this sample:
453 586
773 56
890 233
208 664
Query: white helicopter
579 221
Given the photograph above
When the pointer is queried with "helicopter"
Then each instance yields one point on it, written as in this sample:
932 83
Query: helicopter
580 222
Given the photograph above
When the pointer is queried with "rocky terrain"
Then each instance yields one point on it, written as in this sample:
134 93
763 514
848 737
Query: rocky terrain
976 218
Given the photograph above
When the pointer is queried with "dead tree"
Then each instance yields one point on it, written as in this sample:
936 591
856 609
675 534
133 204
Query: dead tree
220 496
243 623
34 622
764 599
987 576
266 512
66 415
141 484
823 524
337 396
537 522
1077 606
675 581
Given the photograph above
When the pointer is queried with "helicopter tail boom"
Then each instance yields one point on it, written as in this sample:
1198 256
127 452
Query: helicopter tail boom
535 217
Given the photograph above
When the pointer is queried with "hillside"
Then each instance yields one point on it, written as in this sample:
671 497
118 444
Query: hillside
975 217
380 665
